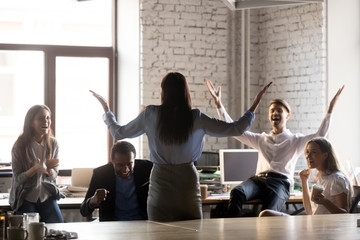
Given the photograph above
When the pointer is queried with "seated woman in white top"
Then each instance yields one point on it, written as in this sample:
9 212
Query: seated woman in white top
337 192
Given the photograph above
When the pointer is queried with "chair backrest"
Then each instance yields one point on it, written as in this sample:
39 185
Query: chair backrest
80 177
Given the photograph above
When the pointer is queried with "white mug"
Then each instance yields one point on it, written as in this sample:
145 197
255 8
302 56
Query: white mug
37 230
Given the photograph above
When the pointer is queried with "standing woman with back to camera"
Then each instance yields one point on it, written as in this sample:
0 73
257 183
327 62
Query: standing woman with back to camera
175 133
35 168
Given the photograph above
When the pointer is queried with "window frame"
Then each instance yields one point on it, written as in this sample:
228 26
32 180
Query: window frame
50 54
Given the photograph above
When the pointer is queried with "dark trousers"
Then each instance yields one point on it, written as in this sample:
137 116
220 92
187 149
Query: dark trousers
273 191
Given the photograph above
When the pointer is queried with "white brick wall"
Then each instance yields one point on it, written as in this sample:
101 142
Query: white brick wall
291 53
289 49
188 37
193 37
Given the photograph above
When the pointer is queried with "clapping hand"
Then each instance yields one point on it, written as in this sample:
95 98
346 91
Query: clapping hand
52 163
39 167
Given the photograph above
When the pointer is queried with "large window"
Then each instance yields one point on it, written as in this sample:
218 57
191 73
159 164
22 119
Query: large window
79 126
17 76
56 22
52 52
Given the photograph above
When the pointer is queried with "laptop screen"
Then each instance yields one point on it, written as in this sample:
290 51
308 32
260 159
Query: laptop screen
80 177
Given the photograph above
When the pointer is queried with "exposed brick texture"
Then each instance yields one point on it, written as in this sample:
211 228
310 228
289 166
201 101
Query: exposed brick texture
287 46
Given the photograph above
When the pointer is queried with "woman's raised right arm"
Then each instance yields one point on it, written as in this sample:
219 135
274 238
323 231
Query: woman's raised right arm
132 129
102 101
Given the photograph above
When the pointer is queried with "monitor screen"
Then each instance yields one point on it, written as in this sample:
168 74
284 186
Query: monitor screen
237 165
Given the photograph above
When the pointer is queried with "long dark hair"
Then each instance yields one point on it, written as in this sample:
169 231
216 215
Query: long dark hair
26 137
332 163
175 118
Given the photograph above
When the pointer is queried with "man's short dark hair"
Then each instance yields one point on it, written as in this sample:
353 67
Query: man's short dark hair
281 102
122 147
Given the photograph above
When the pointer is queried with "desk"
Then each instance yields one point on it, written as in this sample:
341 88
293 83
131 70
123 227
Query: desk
336 226
64 203
70 208
222 200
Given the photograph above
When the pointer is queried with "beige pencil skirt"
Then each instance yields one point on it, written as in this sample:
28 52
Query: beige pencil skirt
174 193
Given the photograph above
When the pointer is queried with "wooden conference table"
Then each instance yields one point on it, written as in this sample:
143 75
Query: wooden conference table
340 226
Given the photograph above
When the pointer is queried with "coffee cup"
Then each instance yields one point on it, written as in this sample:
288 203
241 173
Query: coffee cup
16 220
316 189
16 233
203 190
37 230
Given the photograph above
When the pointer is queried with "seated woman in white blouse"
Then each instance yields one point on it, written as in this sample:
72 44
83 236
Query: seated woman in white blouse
337 192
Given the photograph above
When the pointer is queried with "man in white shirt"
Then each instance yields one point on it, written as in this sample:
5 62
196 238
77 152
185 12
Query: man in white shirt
278 153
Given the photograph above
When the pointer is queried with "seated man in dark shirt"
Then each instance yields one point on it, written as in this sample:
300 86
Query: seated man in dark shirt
120 188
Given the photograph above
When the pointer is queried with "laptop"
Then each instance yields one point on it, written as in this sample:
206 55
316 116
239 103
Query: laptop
80 177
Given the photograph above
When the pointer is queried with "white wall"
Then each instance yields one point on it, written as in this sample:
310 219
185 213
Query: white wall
128 64
291 52
344 68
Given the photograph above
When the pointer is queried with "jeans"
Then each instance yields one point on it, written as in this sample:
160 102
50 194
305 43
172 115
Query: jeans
272 191
48 210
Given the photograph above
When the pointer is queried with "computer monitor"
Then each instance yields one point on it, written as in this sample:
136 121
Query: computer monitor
237 165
